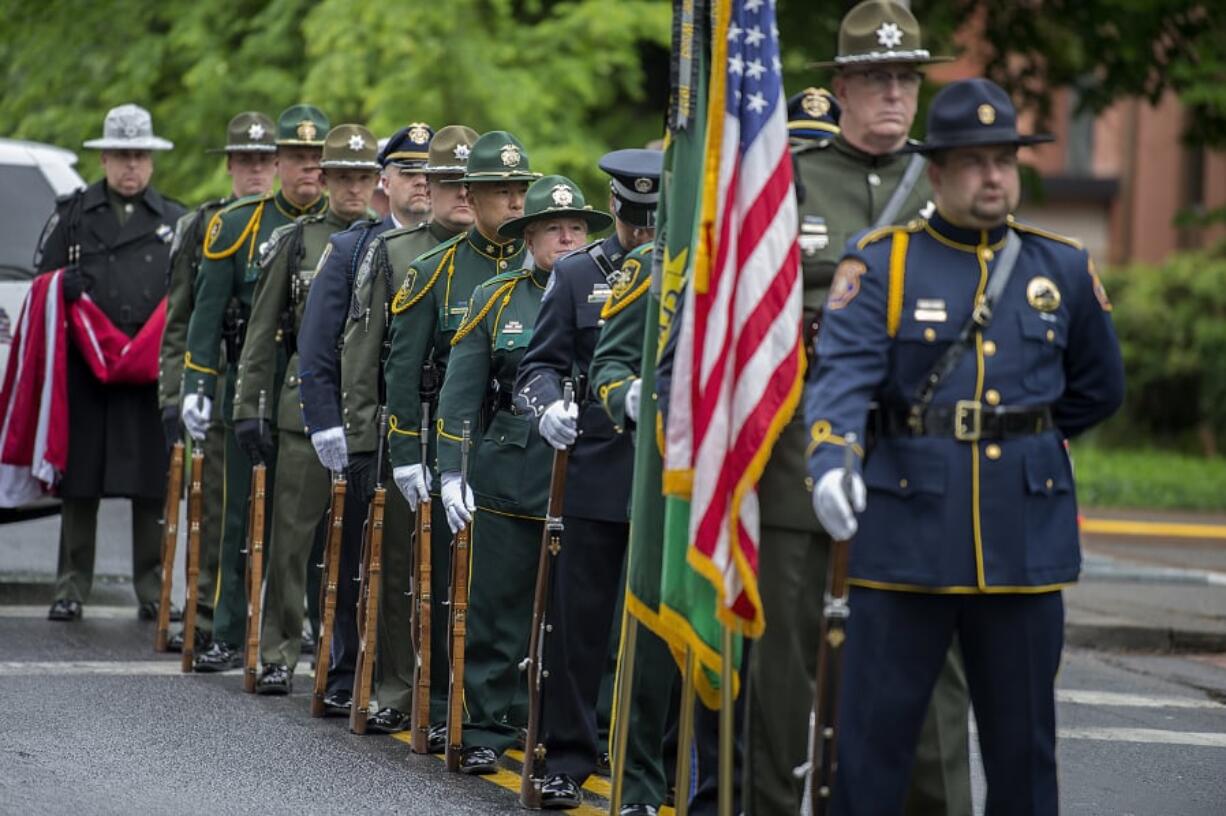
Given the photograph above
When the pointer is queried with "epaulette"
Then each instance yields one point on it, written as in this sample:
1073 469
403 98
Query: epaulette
406 297
873 236
500 286
68 197
247 201
633 281
1054 236
810 146
250 228
399 231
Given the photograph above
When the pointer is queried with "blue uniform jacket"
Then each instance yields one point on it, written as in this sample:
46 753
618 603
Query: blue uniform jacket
323 322
601 462
958 516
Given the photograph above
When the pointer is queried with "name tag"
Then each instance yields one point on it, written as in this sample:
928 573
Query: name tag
930 310
513 327
600 293
814 235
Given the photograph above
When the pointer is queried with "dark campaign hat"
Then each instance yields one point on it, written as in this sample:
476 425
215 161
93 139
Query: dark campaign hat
349 147
880 31
302 126
635 183
497 156
971 113
408 147
554 197
450 149
813 115
249 132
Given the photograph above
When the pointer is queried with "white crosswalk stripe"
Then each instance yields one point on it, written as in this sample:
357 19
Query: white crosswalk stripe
1112 698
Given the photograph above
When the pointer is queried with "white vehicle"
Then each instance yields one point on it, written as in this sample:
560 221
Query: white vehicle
32 176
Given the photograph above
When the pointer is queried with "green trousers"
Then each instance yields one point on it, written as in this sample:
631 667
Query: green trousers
79 540
394 687
300 500
781 672
501 582
655 678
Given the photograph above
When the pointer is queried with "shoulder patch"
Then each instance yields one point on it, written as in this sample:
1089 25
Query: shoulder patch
268 249
1100 291
846 283
406 297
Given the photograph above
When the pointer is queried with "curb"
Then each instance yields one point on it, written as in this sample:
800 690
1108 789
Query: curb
1114 636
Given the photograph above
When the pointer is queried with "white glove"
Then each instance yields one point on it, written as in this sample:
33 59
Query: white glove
560 424
414 483
633 394
331 449
832 505
459 508
196 413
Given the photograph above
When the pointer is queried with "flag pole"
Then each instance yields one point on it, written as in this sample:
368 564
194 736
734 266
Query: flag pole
624 683
727 724
685 737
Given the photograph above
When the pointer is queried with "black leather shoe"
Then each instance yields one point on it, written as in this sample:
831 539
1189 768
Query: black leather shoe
387 721
478 760
308 642
149 611
602 763
65 610
639 810
338 703
436 738
202 638
218 657
276 678
560 792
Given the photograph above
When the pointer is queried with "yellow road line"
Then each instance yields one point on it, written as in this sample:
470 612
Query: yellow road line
1152 528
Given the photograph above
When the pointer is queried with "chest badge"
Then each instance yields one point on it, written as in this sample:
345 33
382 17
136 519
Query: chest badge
1043 294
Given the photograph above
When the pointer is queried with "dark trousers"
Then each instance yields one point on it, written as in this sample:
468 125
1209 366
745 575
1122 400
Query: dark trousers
79 540
585 587
705 801
896 646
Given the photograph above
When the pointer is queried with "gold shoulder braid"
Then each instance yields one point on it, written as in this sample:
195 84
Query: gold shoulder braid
403 302
503 291
249 231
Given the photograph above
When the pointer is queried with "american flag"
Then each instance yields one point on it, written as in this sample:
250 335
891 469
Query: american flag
739 359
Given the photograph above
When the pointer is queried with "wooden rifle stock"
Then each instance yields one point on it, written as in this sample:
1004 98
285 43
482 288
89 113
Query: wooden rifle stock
823 761
170 541
422 598
459 620
368 592
530 779
195 507
327 587
255 567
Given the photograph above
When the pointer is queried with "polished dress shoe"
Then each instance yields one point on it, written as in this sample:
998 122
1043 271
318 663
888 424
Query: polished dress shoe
338 703
149 611
560 792
202 639
639 810
218 657
387 721
478 760
436 738
276 678
65 610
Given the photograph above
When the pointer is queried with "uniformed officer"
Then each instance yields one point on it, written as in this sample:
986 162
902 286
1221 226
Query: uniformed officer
300 492
251 163
114 236
382 272
813 116
986 344
224 289
855 180
587 586
510 470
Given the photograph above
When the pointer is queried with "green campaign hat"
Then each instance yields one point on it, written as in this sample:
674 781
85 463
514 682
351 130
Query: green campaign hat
302 126
880 31
554 197
350 147
249 132
497 156
450 149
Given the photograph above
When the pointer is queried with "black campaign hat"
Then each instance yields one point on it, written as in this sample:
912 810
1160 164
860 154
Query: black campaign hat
635 183
972 113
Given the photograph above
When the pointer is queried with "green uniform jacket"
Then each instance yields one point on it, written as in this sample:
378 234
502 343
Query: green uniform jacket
618 357
289 262
383 270
185 255
229 271
845 191
427 310
510 469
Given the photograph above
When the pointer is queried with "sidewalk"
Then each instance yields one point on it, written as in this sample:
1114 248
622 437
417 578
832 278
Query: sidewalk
1150 582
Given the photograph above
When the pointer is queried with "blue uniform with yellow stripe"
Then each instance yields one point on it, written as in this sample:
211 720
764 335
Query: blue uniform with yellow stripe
971 523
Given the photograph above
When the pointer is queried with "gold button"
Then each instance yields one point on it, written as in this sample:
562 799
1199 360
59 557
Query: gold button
903 483
993 452
992 397
989 348
1051 335
1050 484
988 254
930 334
502 264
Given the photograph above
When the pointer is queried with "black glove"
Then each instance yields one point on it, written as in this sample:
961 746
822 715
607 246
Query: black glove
72 284
170 426
255 440
361 475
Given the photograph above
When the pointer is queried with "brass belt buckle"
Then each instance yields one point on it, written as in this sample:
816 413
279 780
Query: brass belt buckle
968 420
